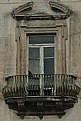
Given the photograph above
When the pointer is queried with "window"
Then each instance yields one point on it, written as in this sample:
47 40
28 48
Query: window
41 54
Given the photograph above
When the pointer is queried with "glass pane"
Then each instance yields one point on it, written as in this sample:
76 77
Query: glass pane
49 66
34 67
49 52
34 53
41 39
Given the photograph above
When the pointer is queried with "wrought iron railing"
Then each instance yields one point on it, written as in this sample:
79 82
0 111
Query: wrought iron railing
41 85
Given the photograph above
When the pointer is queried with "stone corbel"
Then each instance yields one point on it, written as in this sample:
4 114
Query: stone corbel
21 109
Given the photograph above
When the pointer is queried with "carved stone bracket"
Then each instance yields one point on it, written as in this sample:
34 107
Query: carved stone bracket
21 109
37 106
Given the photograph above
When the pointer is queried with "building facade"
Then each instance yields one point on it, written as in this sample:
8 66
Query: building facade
40 46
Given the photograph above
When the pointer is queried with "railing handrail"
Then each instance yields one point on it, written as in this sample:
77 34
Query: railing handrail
21 75
41 85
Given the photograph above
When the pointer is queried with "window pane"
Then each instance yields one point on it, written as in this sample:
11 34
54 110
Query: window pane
49 52
41 39
34 53
34 66
49 66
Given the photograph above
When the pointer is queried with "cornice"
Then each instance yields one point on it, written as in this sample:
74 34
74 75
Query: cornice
26 12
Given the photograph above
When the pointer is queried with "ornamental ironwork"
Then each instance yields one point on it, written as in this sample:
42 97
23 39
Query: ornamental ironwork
40 95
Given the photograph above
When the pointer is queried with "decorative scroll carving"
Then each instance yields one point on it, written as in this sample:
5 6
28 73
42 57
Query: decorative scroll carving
61 8
20 10
26 12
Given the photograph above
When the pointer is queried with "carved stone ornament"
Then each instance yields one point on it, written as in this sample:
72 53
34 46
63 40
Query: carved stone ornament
23 94
26 12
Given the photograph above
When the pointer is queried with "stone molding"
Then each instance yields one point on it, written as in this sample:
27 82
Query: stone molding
60 7
22 8
26 12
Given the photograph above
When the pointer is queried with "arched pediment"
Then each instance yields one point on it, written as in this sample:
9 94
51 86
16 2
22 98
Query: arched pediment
21 9
26 12
60 8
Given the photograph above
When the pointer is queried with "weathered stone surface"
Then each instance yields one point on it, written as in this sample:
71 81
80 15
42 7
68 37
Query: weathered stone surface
8 51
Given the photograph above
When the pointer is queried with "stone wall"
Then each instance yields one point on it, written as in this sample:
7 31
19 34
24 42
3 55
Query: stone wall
8 47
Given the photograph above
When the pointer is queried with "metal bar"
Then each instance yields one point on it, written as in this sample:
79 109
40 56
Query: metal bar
41 85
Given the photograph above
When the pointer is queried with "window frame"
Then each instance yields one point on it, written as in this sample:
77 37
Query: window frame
24 32
41 48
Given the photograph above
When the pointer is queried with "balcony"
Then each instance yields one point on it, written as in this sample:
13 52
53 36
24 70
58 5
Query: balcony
40 94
